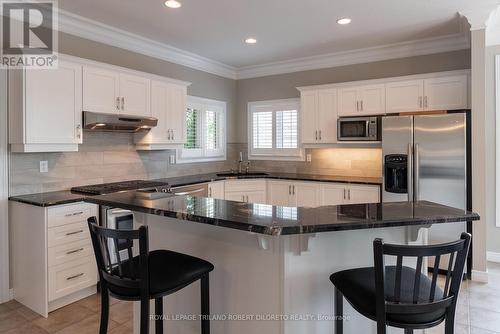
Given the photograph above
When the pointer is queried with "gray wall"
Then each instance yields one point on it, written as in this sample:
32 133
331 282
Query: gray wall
283 86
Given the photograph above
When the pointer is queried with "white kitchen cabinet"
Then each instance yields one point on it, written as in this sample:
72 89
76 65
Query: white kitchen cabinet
45 109
318 111
101 90
168 105
344 193
109 91
52 257
249 191
404 96
293 194
362 100
446 93
216 190
363 193
135 95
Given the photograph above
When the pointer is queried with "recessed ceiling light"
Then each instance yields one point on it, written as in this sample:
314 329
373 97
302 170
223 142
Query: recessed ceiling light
250 40
344 20
172 4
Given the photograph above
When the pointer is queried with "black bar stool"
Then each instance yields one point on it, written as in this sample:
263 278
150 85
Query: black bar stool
401 296
150 275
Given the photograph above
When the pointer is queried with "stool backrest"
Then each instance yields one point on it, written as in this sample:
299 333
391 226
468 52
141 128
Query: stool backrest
456 252
115 268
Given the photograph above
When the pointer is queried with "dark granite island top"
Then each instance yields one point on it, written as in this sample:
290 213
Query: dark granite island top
276 220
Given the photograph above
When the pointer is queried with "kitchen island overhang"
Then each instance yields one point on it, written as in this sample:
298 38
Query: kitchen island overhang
272 264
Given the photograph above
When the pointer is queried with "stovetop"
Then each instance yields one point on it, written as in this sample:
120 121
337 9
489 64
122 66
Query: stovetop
109 188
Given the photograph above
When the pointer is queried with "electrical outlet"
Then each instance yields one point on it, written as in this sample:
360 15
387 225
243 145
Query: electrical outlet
172 159
308 157
44 166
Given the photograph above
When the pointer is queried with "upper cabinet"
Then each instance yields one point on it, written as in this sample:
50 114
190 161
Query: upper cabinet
446 93
361 100
168 105
319 116
45 109
404 96
109 91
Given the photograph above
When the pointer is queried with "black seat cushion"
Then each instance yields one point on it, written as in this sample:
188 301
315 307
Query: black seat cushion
358 288
168 272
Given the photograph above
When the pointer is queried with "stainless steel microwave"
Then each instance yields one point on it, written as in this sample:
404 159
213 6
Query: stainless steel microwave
359 128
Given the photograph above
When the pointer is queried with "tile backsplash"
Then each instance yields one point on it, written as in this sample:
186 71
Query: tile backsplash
110 157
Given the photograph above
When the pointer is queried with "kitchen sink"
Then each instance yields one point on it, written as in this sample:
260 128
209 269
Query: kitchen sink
235 174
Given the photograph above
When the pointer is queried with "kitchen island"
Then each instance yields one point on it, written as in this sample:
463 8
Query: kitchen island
272 263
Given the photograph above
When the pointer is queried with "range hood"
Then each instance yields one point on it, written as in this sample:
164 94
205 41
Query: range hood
117 123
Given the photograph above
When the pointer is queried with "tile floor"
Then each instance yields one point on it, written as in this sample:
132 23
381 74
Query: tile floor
478 312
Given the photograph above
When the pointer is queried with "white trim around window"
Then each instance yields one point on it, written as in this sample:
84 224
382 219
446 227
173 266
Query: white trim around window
206 136
273 146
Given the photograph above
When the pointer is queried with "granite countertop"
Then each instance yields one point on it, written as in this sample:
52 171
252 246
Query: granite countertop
66 196
277 220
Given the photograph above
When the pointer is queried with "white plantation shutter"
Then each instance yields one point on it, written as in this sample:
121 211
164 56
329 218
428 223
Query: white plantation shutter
205 131
273 130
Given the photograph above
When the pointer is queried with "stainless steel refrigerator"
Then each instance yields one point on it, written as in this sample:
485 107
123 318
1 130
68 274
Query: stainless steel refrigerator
425 158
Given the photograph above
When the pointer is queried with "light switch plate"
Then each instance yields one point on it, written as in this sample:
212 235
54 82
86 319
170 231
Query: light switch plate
172 159
308 157
44 166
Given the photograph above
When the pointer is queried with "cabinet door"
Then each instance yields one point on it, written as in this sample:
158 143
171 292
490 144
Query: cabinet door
135 95
446 93
404 96
256 197
216 190
235 196
372 99
54 105
100 90
279 193
332 194
327 116
177 113
308 116
159 110
306 194
358 194
348 101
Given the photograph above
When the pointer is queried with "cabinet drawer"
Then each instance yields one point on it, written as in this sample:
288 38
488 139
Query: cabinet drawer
71 277
245 186
69 252
68 234
67 214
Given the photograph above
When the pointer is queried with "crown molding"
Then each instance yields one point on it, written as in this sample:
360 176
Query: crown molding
93 30
96 31
365 55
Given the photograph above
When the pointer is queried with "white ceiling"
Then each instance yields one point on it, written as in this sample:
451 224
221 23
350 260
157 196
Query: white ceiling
285 29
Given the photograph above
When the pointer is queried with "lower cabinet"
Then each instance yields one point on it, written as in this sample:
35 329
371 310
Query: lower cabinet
293 194
344 193
249 191
52 257
216 190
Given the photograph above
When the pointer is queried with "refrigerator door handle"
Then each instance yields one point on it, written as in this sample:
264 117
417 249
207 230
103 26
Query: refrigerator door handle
410 172
416 173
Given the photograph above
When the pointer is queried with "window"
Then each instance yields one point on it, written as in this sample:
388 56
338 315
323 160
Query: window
273 130
205 131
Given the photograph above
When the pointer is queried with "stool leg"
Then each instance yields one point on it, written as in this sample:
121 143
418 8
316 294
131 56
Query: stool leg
205 305
103 327
144 316
159 315
339 312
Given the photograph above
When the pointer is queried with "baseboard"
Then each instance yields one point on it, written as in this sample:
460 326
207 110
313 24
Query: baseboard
493 257
480 276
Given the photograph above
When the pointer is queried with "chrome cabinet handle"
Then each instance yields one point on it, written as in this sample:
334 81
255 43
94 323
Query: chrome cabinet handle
79 131
320 135
74 251
426 104
316 134
361 103
289 189
75 276
168 134
173 134
357 105
117 103
74 214
344 193
349 194
294 184
75 232
209 192
420 102
123 103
